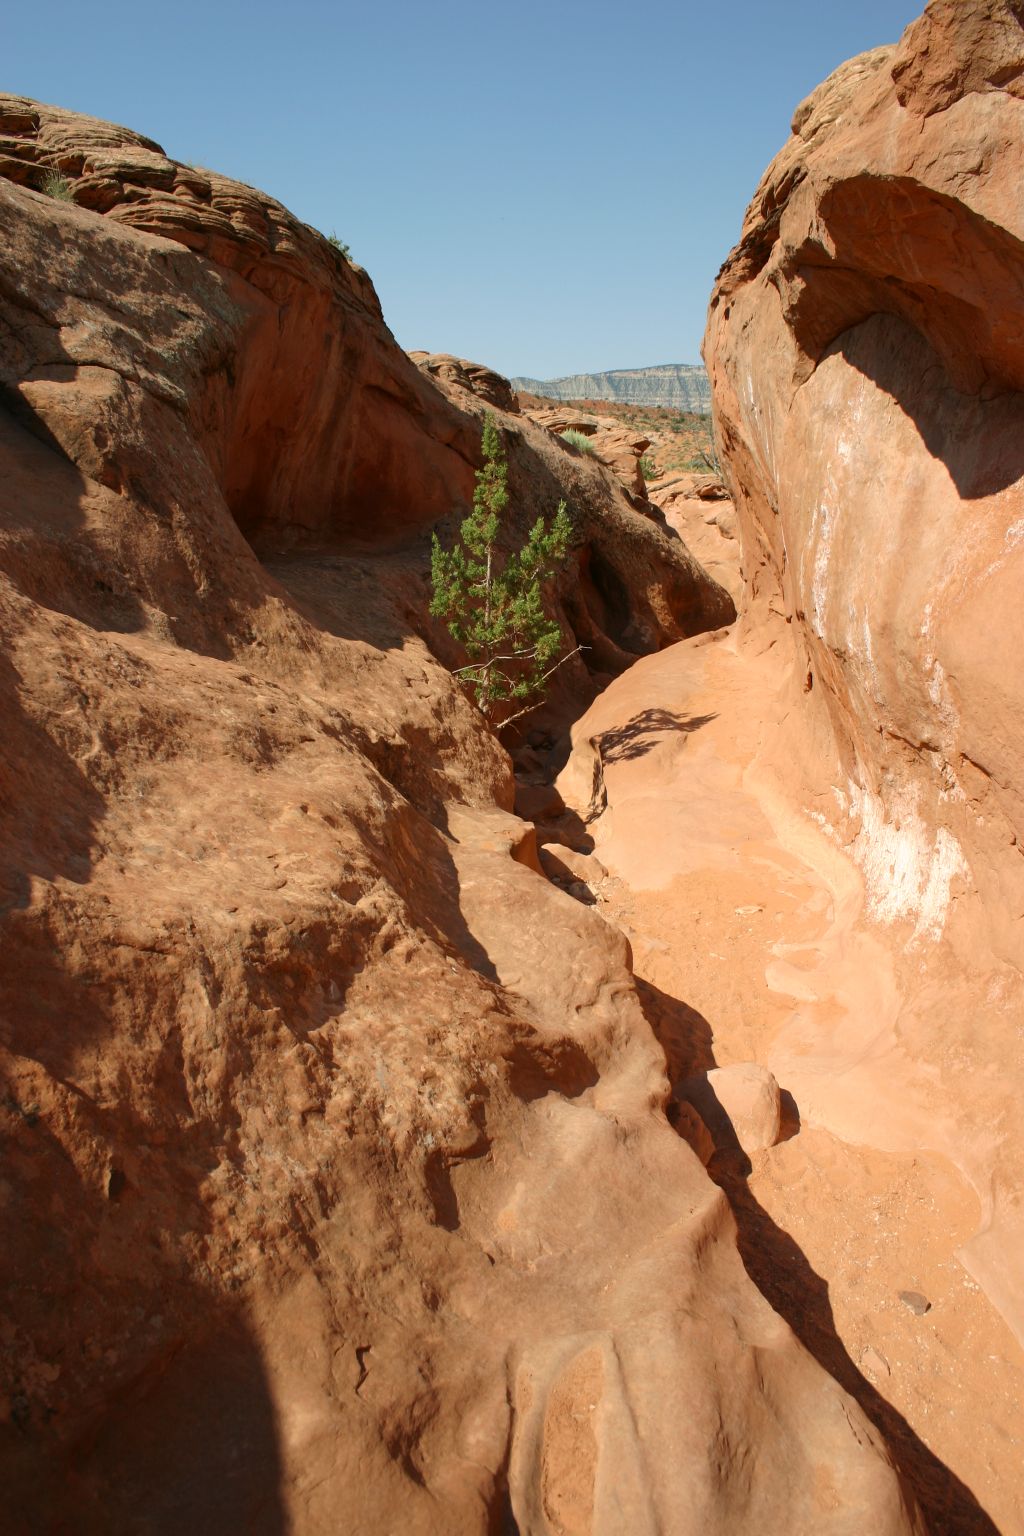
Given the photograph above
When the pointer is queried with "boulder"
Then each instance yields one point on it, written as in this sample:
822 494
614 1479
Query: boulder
538 802
740 1105
692 1129
622 451
581 782
566 864
558 419
614 445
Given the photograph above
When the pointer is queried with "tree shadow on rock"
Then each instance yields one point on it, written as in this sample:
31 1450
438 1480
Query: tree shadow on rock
642 734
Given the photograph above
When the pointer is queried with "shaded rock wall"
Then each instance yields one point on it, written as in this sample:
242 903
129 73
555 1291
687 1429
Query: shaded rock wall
292 459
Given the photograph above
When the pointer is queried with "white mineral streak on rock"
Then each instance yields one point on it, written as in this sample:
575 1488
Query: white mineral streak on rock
1014 534
761 430
908 872
822 530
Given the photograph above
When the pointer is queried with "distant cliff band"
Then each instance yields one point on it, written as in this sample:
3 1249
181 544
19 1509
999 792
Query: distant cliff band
681 385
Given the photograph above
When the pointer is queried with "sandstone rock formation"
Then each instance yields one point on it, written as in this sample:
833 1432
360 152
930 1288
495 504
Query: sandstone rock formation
740 1105
630 588
699 508
338 1191
676 497
475 377
614 446
622 452
866 349
296 471
751 943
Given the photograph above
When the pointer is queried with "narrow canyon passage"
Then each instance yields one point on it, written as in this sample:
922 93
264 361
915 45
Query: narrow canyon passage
751 944
619 1135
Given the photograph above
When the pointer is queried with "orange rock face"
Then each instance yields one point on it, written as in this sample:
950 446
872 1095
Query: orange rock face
866 347
613 445
461 373
338 1192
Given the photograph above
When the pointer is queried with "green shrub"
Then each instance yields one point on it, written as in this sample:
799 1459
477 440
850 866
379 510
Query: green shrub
339 246
648 468
491 602
578 440
55 184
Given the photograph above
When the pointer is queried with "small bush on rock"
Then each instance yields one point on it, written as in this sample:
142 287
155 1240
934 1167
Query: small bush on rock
578 440
55 184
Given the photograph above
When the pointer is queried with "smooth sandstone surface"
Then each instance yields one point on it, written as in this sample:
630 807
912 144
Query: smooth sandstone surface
753 941
338 1189
866 349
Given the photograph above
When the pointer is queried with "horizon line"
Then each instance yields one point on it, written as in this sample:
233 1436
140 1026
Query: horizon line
595 373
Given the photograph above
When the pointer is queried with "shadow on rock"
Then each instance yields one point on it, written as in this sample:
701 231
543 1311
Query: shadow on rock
780 1270
782 1273
132 1399
641 734
980 441
683 1034
50 831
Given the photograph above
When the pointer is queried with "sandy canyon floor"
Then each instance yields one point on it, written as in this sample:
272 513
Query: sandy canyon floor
751 943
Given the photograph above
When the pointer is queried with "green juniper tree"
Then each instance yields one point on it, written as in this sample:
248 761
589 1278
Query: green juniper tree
492 602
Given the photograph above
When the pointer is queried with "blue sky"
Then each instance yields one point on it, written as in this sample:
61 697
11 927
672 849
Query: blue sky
546 188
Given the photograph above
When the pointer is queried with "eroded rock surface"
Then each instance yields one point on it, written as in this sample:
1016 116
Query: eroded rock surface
338 1190
612 444
699 508
752 943
868 356
475 377
866 349
320 435
740 1105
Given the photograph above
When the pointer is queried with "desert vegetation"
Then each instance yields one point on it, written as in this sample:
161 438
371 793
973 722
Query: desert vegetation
56 185
578 440
492 601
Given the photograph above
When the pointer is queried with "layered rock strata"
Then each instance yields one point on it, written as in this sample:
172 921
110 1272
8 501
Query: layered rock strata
613 445
682 385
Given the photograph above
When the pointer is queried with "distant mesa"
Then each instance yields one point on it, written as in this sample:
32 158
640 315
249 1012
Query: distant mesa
682 385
